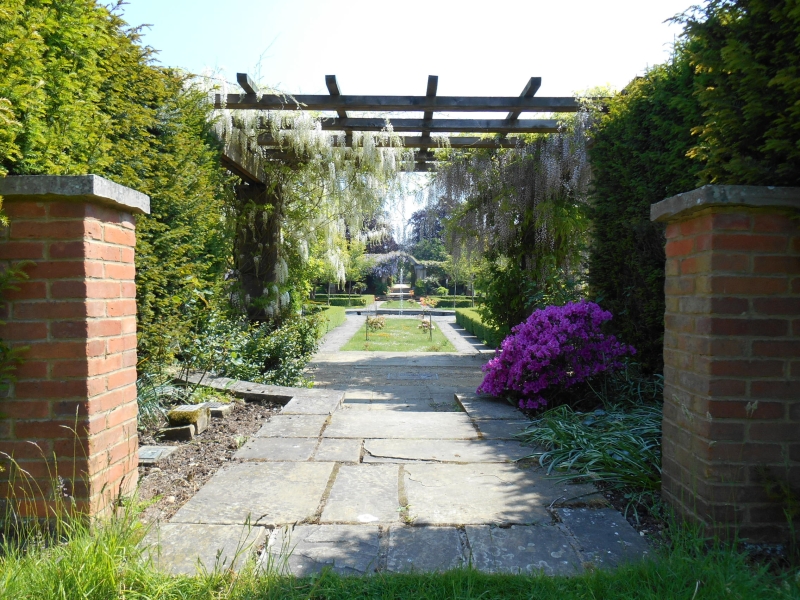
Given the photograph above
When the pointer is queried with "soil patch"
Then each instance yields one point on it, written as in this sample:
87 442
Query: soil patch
177 478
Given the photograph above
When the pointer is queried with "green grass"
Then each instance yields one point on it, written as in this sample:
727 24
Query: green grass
400 335
104 563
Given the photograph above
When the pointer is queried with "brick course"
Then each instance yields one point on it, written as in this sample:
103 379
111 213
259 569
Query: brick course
72 412
732 385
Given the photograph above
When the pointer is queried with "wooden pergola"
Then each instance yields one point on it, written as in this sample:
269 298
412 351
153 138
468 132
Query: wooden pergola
428 105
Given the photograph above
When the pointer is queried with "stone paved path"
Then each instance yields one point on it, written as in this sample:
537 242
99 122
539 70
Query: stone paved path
393 464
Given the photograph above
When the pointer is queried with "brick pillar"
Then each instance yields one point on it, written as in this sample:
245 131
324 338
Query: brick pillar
70 417
732 356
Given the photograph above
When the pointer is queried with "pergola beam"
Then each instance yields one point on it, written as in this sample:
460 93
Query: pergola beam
247 84
266 139
443 125
433 84
529 91
398 103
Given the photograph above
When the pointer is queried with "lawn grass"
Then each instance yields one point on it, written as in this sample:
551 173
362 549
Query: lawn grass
104 562
399 335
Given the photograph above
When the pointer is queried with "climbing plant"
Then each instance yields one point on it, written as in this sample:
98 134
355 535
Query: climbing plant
317 198
522 209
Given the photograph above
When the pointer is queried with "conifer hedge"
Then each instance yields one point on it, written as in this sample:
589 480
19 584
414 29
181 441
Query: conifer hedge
638 158
724 110
80 94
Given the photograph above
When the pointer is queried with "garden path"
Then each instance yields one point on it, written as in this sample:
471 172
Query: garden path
393 463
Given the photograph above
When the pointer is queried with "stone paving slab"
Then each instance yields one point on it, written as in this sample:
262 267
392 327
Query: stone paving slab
277 449
267 493
430 360
294 426
398 424
522 549
249 390
152 455
338 450
424 549
314 405
455 451
605 537
189 548
412 405
363 494
487 408
497 429
452 494
345 549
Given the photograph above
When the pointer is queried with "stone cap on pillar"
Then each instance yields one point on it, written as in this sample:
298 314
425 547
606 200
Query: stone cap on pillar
75 187
754 196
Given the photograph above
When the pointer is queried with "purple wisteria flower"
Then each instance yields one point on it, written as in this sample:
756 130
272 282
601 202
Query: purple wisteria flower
556 346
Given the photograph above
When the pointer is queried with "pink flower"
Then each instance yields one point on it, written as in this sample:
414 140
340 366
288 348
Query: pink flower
555 346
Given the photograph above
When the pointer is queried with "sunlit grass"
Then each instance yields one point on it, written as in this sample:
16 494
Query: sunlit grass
400 335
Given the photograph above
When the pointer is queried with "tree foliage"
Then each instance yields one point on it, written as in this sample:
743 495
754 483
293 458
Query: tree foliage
639 156
746 56
79 94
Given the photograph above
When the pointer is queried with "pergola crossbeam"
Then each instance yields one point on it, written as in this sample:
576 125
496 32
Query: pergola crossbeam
397 103
443 125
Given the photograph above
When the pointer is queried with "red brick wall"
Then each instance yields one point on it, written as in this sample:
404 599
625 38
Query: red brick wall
732 368
72 411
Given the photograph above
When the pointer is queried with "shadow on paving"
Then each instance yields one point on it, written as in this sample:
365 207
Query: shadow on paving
400 466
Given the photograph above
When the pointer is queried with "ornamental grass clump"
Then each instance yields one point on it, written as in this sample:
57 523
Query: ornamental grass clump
556 348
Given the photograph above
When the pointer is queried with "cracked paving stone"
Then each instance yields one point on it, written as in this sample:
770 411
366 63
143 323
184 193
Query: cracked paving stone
307 549
456 451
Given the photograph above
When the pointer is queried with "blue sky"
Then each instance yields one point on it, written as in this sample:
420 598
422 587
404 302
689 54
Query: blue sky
489 47
485 48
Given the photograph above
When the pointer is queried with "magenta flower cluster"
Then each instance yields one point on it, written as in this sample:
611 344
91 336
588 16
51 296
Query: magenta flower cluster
557 346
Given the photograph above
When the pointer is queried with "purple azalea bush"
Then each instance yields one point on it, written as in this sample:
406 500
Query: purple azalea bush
556 346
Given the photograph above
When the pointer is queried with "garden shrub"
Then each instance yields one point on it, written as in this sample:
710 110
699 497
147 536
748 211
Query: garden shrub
639 157
554 349
471 320
255 352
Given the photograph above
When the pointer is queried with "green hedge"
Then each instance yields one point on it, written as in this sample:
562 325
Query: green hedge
471 321
345 300
330 318
461 301
640 157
